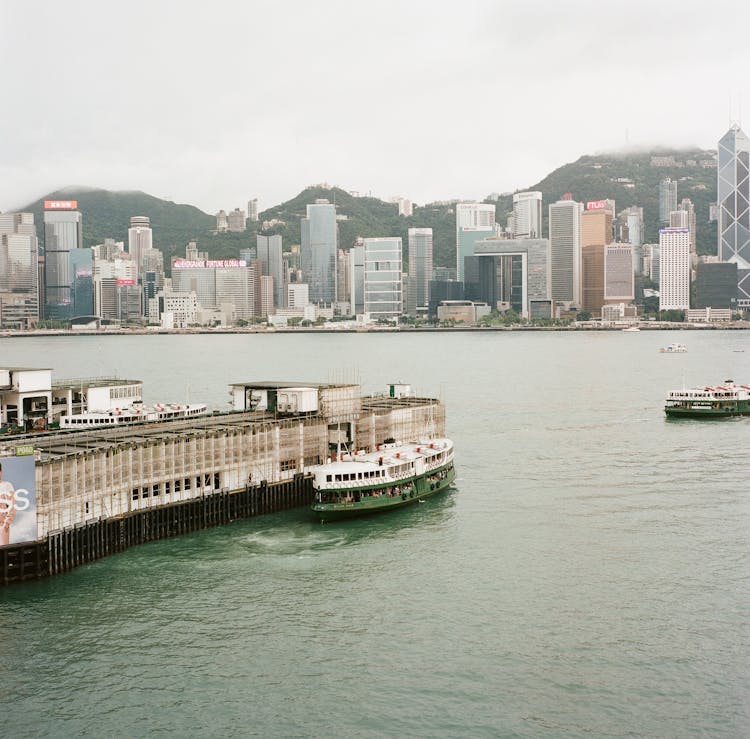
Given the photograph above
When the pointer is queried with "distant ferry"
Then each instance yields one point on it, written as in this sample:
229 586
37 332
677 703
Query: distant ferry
395 475
721 401
136 413
673 349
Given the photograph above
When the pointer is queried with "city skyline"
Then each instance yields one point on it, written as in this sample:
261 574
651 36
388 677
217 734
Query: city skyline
200 141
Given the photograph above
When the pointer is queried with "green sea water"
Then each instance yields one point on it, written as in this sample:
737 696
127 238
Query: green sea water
587 576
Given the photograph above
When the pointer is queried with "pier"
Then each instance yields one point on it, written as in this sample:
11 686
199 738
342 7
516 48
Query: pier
102 491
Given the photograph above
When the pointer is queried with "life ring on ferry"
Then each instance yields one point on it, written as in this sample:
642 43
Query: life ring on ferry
39 424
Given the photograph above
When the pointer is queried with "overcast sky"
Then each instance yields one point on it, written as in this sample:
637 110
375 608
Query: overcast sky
212 103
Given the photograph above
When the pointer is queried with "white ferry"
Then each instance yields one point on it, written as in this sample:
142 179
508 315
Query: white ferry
136 413
394 475
673 349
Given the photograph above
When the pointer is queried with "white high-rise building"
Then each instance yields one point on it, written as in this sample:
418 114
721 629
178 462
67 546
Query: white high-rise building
252 209
674 269
565 250
297 295
140 238
474 222
527 215
383 279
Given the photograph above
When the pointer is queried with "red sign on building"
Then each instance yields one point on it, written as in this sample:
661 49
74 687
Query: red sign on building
60 204
596 205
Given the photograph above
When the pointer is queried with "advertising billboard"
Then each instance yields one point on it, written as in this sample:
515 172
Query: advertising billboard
596 205
17 499
60 204
208 263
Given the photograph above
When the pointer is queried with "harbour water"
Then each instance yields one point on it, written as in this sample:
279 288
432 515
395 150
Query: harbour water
587 575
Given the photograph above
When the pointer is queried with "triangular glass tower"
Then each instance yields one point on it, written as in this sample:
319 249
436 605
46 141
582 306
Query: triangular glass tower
734 198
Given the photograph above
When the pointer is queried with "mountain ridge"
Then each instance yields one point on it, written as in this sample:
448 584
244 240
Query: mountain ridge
627 177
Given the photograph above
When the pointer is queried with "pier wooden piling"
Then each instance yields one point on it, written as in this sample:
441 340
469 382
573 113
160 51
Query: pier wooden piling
70 548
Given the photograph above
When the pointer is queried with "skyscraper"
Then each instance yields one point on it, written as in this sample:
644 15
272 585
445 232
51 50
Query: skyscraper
667 198
383 279
269 253
420 264
733 189
319 245
596 233
19 287
357 278
474 221
63 234
252 209
140 238
565 250
674 269
527 215
619 276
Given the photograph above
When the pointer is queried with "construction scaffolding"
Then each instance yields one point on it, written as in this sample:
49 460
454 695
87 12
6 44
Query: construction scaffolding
84 476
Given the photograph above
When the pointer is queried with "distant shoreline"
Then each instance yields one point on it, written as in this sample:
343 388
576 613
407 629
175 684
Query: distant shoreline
51 333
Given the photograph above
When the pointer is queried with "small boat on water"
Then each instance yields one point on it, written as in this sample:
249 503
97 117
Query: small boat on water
394 475
721 401
631 329
673 349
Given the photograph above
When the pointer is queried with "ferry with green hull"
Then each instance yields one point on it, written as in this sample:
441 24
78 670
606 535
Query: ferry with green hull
393 476
722 401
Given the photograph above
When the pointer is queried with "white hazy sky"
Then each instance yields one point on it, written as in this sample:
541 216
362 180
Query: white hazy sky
211 103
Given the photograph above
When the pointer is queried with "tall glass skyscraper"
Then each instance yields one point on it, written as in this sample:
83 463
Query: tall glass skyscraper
474 222
420 264
63 233
269 253
319 247
734 198
667 198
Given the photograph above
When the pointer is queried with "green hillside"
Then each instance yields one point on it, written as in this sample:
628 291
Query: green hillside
107 214
595 178
368 217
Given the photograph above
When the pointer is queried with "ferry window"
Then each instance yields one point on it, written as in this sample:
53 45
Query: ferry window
135 493
144 492
167 487
217 481
177 486
329 478
206 479
187 483
155 489
197 482
338 478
